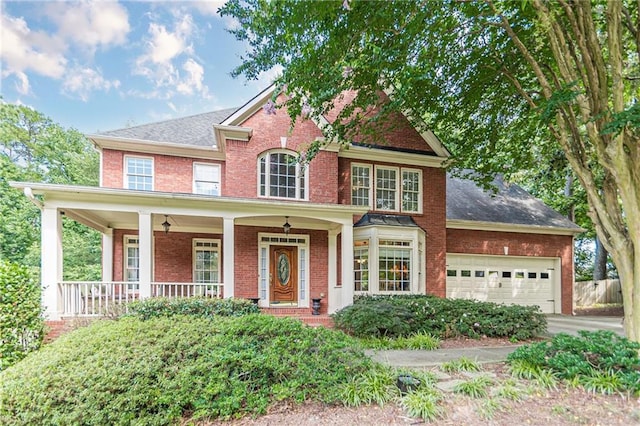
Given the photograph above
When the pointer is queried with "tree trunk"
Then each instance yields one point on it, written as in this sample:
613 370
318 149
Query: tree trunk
600 262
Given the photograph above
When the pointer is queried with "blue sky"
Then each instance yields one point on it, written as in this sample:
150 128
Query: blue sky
99 65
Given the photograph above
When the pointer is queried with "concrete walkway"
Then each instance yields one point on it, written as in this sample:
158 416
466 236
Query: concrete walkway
556 324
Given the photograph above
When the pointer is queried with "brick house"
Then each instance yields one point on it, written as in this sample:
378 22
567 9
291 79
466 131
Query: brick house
213 204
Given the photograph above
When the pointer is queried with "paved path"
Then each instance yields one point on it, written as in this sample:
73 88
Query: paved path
556 324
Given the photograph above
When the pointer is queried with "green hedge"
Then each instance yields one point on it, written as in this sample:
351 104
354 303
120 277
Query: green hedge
21 322
195 306
599 360
169 370
377 316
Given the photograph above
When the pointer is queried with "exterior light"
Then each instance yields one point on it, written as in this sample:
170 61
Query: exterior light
166 225
286 227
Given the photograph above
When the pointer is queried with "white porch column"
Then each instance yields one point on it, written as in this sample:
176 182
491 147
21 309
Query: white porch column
228 255
347 264
107 256
334 293
145 236
51 263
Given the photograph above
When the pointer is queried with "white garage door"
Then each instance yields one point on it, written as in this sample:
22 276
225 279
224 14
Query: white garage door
504 279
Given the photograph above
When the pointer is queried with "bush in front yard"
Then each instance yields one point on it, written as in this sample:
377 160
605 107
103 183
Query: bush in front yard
601 361
202 307
377 316
21 323
170 370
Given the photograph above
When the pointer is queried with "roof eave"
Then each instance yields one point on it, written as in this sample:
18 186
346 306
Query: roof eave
154 147
473 225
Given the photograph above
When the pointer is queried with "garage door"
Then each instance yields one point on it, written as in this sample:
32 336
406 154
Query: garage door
504 279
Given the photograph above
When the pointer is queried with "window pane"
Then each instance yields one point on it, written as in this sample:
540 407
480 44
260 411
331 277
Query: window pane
395 269
283 175
139 173
410 191
361 267
360 185
205 265
386 189
206 179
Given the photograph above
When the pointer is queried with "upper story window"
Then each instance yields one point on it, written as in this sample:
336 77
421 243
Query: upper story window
281 176
139 173
361 185
206 179
396 189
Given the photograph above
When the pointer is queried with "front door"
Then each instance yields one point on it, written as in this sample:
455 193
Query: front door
284 274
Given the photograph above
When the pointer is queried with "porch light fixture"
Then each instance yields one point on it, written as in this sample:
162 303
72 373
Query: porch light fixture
166 225
286 227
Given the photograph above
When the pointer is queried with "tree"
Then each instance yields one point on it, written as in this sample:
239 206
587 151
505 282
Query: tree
35 149
505 84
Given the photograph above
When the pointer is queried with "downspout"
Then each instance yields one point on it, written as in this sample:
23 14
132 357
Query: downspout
29 193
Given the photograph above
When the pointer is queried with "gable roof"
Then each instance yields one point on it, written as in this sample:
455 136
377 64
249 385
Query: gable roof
511 205
194 130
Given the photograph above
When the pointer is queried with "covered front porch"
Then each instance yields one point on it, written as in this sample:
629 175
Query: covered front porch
213 247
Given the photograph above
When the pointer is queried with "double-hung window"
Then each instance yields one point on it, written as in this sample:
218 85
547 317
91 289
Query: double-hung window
386 188
139 173
206 179
281 176
361 185
206 264
396 189
361 265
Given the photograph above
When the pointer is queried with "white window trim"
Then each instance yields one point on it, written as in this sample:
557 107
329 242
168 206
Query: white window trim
416 238
398 188
194 242
420 191
302 303
299 169
125 172
196 163
371 182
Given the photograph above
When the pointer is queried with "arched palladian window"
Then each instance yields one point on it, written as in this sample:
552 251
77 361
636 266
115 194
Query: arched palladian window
280 175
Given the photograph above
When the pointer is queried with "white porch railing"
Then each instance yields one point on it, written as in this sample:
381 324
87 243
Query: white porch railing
99 298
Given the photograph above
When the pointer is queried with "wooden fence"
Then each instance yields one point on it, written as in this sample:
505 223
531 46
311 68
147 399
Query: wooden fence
589 293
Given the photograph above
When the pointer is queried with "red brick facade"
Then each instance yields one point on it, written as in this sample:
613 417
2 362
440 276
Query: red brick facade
328 183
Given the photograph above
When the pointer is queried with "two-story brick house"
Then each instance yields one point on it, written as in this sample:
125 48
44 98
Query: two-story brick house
214 204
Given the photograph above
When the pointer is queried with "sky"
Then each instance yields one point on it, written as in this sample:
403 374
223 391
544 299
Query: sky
98 65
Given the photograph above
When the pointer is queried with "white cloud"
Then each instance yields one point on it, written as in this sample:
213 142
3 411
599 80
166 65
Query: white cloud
81 82
192 81
91 23
85 24
208 7
165 49
26 50
22 83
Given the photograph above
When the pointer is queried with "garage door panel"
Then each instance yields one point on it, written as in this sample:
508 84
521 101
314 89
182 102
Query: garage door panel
502 279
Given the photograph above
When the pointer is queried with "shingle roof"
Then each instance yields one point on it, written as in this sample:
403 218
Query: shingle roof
511 205
370 219
192 130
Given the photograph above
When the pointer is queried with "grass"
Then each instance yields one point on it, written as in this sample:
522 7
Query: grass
460 364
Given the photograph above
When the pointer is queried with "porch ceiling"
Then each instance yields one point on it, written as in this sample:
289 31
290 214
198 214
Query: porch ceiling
103 220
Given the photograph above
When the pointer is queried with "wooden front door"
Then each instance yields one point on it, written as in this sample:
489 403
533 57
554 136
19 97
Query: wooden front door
284 274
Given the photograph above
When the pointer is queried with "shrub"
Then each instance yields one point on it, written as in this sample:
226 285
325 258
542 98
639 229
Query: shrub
601 360
202 307
21 322
374 316
162 370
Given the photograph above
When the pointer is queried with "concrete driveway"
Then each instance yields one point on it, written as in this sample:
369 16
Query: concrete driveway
571 324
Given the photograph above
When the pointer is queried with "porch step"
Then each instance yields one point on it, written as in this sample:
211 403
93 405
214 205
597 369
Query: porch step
302 314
